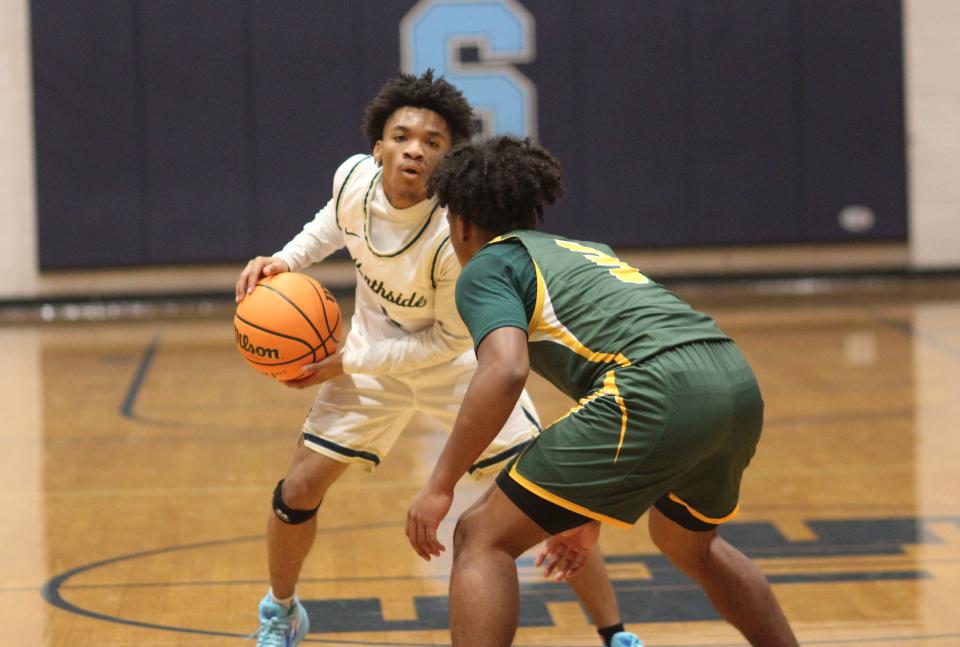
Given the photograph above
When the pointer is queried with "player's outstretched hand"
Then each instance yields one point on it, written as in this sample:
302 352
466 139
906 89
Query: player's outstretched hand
566 553
326 369
255 270
424 517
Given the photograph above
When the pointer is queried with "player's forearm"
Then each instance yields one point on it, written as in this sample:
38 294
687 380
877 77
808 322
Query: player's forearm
419 350
491 396
319 238
306 249
441 342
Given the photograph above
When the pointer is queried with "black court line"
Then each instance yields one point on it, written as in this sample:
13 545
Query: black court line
130 399
128 406
51 592
205 583
629 584
129 403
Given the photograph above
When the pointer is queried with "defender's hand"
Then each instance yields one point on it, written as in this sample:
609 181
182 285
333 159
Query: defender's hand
424 517
255 270
326 369
566 553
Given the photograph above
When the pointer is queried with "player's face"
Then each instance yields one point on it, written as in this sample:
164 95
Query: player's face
414 140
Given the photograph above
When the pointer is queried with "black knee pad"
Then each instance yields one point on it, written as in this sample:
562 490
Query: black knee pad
287 514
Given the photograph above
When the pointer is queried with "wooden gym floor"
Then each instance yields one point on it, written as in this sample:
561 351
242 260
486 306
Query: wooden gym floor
137 458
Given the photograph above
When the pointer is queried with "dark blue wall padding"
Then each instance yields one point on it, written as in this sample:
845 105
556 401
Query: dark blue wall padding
202 131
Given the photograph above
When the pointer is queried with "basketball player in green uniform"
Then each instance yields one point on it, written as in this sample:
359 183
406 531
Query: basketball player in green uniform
668 416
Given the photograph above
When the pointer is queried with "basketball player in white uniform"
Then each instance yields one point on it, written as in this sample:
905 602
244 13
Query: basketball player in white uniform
407 351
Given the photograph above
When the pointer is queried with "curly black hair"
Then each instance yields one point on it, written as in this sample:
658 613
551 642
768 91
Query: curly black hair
407 90
498 185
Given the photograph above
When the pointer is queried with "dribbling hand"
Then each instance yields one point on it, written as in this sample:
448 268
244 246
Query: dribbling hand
255 270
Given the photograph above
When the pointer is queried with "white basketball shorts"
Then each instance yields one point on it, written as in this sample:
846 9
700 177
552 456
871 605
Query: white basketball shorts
358 418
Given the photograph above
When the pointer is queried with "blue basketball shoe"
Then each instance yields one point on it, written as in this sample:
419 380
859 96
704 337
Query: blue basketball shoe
625 639
280 627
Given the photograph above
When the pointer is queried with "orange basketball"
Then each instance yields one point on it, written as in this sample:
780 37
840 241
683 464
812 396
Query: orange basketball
287 321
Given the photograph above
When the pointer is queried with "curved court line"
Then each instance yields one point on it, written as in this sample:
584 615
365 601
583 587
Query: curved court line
51 592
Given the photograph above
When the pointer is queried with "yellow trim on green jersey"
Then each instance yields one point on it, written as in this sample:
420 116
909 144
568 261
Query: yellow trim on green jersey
581 404
620 270
701 516
541 291
545 326
609 388
563 503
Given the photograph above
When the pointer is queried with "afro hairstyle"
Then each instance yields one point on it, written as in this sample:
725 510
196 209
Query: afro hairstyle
498 185
409 91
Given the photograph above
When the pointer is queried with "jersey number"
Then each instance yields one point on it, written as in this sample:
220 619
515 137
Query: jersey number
435 34
621 271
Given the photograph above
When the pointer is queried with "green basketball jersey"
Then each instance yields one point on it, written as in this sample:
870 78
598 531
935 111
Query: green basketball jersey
585 310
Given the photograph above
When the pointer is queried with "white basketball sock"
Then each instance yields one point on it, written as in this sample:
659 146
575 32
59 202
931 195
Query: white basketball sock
285 602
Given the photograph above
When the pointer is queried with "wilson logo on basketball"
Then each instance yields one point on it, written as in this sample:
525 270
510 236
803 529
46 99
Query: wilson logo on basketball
287 322
243 343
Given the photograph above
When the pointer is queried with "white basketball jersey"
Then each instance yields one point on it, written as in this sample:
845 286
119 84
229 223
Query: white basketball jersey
405 316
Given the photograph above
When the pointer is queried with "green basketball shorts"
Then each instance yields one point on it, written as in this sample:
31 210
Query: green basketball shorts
676 430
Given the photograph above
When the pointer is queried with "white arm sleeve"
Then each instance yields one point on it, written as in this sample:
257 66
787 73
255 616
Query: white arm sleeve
444 340
321 236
